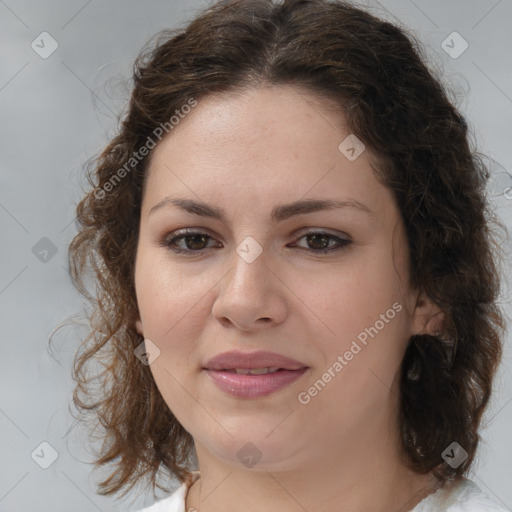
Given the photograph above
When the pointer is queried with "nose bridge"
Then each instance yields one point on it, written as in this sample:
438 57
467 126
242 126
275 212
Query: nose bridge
249 290
250 264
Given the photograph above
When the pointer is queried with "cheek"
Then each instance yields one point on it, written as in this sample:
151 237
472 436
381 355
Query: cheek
172 308
360 362
364 321
169 300
353 296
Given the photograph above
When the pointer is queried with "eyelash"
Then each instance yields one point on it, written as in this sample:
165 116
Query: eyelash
169 243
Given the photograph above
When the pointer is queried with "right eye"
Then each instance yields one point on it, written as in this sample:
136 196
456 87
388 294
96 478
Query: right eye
191 239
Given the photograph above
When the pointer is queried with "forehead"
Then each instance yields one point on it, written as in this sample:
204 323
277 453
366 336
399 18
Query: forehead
267 144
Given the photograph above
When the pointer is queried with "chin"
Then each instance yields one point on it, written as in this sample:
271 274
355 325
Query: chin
252 447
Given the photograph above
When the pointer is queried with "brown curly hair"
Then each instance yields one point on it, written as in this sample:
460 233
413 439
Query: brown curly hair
376 73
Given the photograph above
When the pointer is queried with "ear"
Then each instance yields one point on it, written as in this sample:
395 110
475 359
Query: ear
428 317
138 324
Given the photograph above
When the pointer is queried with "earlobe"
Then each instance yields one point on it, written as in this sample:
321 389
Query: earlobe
428 316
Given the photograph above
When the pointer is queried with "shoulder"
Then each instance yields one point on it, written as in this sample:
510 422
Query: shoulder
460 495
172 503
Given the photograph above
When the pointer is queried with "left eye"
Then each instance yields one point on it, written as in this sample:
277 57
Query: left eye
195 242
322 239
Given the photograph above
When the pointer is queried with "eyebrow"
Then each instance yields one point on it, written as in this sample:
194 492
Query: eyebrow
279 213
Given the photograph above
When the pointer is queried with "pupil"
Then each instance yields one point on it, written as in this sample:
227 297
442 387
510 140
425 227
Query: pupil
195 237
320 237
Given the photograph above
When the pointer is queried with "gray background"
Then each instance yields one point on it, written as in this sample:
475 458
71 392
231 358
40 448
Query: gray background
58 112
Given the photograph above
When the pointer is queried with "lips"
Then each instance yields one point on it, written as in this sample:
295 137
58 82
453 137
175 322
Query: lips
251 375
237 360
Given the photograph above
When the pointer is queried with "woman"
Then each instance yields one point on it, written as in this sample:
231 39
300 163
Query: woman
297 282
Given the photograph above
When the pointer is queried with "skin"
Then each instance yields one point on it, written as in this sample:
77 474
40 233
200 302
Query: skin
247 153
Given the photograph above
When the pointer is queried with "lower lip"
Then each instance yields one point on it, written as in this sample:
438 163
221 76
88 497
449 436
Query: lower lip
253 386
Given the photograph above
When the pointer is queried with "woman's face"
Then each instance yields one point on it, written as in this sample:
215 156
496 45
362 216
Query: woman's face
257 283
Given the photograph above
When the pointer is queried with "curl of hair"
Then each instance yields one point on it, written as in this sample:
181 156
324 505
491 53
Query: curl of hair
375 73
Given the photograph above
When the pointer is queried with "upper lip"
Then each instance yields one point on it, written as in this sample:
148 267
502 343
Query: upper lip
250 360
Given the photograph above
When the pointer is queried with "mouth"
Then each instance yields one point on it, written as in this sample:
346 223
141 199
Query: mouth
252 371
253 375
254 363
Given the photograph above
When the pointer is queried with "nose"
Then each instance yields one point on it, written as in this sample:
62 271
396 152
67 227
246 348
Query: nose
251 295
